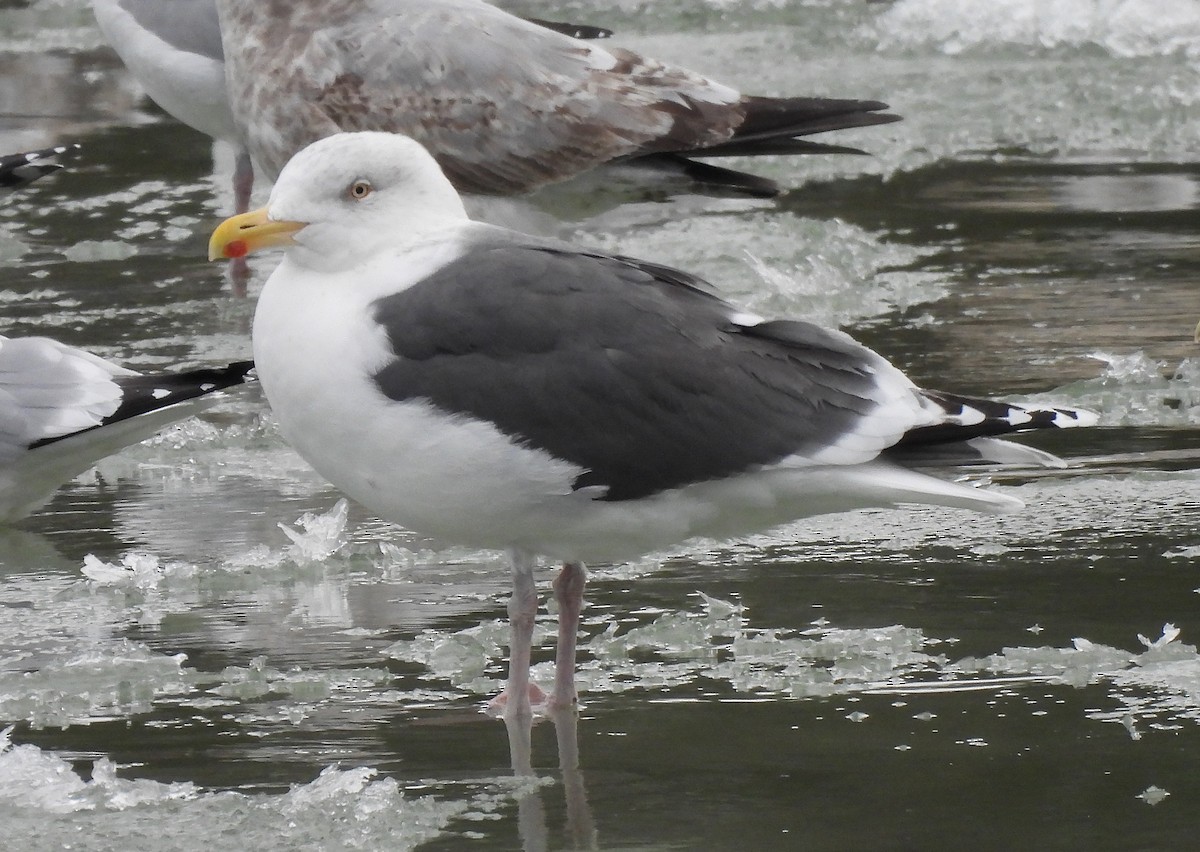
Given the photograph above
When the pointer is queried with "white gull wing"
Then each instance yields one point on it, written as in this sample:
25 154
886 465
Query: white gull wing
48 390
62 409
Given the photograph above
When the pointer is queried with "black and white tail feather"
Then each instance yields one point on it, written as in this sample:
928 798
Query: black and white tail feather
17 170
967 430
63 409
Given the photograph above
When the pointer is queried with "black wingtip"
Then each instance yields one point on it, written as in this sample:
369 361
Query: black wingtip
720 179
971 417
776 125
580 31
142 394
20 169
145 393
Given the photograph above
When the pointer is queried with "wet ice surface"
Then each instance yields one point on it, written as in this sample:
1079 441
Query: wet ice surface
178 670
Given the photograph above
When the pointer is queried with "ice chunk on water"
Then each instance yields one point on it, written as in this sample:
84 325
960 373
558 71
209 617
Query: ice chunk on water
677 649
461 657
118 679
1169 634
33 780
323 534
1125 28
1161 682
88 250
137 569
1136 390
45 804
1153 794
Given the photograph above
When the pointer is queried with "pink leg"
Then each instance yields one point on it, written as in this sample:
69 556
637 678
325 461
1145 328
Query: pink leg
568 593
243 185
243 182
522 610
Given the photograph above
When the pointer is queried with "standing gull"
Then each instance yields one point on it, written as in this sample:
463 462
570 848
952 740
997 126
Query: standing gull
504 104
63 409
173 49
504 391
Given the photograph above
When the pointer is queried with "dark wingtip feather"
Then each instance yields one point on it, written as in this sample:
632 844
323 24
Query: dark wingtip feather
20 169
714 178
142 394
773 125
582 31
968 418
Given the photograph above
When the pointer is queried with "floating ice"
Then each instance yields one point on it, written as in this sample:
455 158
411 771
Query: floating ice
12 248
62 661
677 649
1158 685
1136 390
111 680
44 804
460 657
1153 794
90 250
1170 634
322 536
1192 552
826 270
136 569
680 650
34 781
1125 28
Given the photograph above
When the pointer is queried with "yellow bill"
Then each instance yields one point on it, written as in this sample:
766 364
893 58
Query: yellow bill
247 233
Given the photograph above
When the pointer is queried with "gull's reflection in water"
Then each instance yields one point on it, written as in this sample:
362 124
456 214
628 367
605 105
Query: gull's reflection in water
531 812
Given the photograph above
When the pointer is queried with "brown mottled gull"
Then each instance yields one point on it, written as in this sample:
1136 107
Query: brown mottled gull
504 104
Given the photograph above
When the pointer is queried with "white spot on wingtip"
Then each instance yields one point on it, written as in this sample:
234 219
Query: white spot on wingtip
160 393
746 319
1067 418
970 416
207 386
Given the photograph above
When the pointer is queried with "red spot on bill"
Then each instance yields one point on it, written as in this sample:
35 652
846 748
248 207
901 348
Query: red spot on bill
236 248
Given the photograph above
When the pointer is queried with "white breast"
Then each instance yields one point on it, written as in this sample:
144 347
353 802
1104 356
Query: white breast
316 348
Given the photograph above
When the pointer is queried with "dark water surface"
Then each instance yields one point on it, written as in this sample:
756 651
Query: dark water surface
181 673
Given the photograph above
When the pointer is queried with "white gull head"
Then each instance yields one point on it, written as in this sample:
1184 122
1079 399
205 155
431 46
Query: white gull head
356 191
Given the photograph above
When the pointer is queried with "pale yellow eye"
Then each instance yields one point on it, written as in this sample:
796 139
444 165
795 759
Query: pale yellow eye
360 189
